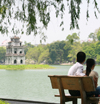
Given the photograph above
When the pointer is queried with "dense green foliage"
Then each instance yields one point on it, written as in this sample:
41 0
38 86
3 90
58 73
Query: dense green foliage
3 102
65 51
32 12
27 46
2 54
22 67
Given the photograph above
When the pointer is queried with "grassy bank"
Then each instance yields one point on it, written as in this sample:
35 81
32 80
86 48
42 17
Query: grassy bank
3 102
22 67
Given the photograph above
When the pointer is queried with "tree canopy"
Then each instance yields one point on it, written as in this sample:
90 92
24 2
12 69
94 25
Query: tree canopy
30 12
64 51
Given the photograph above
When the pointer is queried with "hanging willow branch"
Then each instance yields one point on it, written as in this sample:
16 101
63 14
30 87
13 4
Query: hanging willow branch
30 12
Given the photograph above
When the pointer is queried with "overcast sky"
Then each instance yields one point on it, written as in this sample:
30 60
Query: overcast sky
55 33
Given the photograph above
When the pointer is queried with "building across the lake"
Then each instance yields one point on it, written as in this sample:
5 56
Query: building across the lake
15 52
4 43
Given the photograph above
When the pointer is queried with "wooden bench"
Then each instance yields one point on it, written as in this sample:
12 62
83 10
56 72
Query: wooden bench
83 84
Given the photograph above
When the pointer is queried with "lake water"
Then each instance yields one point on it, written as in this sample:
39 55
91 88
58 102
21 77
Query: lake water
31 84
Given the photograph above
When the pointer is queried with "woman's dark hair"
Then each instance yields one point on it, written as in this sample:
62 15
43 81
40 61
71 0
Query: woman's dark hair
89 63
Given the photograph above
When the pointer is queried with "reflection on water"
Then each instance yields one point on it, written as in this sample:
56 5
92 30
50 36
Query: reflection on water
31 84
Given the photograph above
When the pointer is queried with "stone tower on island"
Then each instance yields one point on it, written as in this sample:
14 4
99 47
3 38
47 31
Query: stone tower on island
15 52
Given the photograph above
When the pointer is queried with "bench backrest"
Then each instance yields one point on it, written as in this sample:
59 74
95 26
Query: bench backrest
72 83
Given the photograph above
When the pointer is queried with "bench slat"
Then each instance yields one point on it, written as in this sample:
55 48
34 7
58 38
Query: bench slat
69 96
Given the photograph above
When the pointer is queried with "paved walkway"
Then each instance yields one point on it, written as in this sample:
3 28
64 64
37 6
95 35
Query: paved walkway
18 102
15 101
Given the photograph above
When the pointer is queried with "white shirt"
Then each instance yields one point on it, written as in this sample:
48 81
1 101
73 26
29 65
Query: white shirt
76 69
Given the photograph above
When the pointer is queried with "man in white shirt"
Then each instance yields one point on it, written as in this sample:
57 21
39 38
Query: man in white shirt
77 70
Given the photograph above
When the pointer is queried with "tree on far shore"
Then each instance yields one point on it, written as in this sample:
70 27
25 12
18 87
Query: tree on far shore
2 54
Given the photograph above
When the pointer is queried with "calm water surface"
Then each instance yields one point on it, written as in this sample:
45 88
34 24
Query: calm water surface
31 84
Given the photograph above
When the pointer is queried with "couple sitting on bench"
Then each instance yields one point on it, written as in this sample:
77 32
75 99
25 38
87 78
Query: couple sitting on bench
77 70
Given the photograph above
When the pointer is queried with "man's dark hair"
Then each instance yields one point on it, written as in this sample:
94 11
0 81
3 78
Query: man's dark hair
81 57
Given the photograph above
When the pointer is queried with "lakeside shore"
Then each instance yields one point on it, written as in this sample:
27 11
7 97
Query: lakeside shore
70 63
23 67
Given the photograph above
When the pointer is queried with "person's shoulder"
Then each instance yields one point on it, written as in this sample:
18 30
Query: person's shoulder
93 71
94 74
75 66
79 64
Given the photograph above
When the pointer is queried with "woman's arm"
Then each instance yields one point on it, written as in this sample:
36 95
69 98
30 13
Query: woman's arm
95 81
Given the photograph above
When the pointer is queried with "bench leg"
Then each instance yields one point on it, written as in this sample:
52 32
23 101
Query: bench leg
74 101
62 101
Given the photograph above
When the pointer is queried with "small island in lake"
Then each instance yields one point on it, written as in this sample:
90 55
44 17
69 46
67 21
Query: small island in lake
15 57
